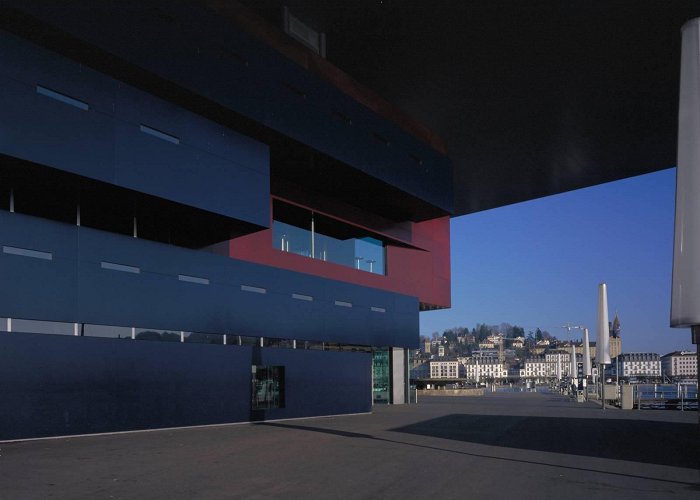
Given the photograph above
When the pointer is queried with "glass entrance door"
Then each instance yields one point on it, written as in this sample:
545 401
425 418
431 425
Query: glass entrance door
381 382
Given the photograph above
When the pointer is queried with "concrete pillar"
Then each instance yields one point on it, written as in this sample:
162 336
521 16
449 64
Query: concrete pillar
397 362
685 305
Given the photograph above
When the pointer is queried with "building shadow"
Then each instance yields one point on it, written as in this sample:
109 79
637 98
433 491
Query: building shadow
660 443
695 486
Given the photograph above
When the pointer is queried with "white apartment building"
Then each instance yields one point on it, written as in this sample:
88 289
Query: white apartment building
551 365
559 364
443 369
637 365
479 369
536 368
680 364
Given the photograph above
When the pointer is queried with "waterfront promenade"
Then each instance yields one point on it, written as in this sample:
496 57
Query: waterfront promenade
518 445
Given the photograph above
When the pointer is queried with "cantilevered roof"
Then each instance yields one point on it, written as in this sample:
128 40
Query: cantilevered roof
532 97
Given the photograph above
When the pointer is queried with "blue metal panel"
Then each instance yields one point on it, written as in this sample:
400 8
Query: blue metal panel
321 382
55 385
27 63
34 288
136 107
212 167
259 89
195 178
75 287
43 130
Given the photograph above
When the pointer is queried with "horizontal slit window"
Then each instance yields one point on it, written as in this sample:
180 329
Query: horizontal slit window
120 267
378 309
25 252
342 303
193 279
160 135
301 296
253 289
76 103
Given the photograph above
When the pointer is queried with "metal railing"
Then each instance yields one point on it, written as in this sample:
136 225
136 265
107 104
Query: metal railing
666 396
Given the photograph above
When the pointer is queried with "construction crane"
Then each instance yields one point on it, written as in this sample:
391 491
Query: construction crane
570 327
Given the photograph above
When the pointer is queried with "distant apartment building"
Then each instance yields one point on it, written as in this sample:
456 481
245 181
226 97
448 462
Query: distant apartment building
518 343
443 369
637 365
680 364
478 369
441 351
559 363
536 368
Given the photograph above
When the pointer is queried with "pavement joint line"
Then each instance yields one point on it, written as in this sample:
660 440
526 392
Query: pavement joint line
185 427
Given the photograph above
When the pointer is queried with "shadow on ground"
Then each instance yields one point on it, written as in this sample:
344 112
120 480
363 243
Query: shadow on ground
661 443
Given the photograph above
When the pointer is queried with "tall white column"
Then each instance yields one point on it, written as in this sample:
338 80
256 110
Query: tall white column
586 353
602 347
685 305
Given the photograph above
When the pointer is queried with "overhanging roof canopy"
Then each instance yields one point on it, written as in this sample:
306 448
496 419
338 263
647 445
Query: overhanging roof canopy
533 98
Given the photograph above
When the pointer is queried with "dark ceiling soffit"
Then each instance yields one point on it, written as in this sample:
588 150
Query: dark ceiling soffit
273 37
397 204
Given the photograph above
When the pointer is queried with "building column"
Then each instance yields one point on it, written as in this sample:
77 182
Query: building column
686 250
398 365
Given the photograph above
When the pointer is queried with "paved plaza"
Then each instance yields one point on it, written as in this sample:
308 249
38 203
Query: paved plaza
516 445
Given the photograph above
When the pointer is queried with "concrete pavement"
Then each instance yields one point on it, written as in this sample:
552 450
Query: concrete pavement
521 445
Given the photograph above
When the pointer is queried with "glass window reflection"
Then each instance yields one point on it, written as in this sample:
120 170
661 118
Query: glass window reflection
268 387
105 331
300 231
45 327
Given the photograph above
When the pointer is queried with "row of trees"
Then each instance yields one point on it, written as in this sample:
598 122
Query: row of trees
481 331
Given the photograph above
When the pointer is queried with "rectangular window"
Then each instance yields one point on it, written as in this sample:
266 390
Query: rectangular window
301 231
76 103
25 252
46 327
301 296
253 289
203 338
342 303
378 309
160 135
157 335
193 279
105 331
120 267
267 387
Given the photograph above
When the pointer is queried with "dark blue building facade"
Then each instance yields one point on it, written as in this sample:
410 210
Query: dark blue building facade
195 229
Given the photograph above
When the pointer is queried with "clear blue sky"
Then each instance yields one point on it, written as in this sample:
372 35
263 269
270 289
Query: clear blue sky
539 263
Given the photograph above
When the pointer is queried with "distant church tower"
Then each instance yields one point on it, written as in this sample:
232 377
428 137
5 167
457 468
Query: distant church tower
615 339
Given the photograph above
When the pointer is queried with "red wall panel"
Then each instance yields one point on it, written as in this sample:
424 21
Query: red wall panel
420 273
